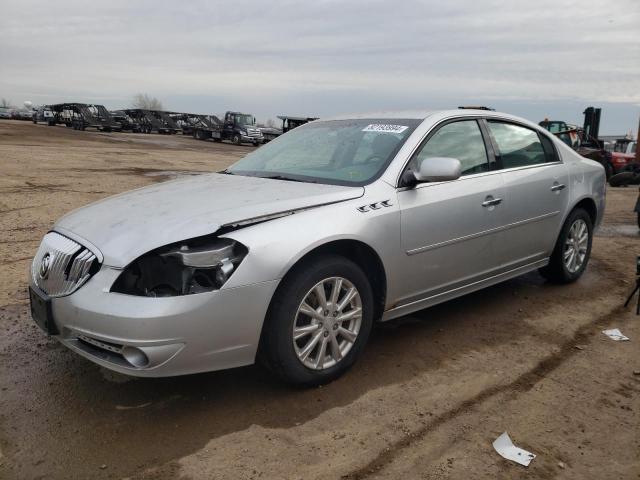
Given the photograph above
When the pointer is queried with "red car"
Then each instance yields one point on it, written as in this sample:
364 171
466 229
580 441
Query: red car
623 154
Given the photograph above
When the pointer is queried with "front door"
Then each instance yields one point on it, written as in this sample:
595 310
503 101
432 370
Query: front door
449 229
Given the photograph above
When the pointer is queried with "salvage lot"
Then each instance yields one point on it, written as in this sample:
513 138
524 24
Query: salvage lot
431 393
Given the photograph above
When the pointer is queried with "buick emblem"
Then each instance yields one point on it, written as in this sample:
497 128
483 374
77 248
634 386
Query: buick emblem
44 265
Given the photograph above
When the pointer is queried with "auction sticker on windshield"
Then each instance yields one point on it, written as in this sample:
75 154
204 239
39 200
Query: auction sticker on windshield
384 128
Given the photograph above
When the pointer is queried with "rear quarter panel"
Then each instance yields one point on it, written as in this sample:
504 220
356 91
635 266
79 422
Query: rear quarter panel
587 180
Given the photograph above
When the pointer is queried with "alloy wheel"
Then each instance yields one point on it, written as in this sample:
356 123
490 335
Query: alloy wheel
327 323
575 246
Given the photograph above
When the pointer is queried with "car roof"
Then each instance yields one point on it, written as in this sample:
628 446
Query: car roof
440 114
422 114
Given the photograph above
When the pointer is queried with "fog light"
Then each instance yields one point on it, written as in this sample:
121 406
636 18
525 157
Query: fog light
135 356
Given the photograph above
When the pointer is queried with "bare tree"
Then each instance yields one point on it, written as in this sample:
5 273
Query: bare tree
270 123
146 102
4 103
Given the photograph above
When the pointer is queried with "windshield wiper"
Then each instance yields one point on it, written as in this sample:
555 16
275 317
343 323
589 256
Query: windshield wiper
226 172
289 179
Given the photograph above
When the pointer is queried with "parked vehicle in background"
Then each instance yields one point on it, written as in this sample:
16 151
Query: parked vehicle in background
270 133
584 140
22 114
289 123
168 124
236 127
241 128
5 112
203 127
43 114
146 121
623 154
127 123
81 116
291 254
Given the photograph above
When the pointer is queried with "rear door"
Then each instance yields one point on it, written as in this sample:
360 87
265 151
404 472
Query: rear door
449 229
537 191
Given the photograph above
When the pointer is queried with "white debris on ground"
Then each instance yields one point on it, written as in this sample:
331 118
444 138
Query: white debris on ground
505 447
615 334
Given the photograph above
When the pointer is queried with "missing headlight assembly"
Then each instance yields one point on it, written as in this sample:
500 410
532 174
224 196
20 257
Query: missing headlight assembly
183 268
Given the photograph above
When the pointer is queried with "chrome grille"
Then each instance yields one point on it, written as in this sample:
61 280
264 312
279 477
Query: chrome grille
61 265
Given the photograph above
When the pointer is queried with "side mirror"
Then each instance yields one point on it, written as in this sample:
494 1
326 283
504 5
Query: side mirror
438 169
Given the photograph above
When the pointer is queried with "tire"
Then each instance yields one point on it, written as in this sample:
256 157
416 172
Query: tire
559 271
236 139
621 179
608 170
278 351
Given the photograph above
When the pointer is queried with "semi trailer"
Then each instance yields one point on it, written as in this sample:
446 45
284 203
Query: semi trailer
81 116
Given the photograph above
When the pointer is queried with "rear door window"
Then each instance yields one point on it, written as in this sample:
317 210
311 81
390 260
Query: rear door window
517 146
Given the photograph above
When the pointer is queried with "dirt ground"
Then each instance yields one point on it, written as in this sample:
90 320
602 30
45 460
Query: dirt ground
431 393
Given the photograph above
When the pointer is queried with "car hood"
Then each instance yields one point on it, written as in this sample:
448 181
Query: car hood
125 226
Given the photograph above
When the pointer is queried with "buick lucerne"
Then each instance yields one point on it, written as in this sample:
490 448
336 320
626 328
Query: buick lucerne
290 255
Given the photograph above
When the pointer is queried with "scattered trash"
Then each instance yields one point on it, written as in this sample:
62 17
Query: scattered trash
578 347
103 466
615 334
561 464
636 372
505 447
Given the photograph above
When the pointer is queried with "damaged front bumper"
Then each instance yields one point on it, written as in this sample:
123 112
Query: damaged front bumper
156 337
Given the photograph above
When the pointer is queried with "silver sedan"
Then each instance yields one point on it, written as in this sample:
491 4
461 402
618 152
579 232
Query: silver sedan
291 255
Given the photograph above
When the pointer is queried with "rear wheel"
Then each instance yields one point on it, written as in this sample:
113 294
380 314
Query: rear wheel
608 170
318 322
573 248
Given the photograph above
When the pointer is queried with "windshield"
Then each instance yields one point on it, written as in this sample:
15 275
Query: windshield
339 152
243 119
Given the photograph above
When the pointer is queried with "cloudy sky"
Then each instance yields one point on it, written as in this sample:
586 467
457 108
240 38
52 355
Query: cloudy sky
533 58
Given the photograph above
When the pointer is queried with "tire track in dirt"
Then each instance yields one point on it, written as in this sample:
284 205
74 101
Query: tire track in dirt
521 384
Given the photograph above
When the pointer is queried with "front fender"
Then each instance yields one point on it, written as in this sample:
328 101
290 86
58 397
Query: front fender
275 246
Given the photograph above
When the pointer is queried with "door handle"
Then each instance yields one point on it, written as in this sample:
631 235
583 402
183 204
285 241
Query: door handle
490 202
557 187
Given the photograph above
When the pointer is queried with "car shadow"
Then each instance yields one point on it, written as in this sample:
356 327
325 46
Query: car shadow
76 415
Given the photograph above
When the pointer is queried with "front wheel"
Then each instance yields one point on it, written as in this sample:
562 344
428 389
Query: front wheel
236 139
318 322
573 248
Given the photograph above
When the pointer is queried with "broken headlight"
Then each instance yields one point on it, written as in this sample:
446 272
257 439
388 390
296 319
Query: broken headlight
184 268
